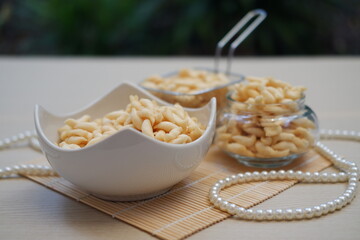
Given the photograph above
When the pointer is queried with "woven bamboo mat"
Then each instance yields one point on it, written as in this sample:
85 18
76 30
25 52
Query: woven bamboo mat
185 209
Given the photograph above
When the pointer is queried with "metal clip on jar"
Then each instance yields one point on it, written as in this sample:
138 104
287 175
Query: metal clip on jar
266 135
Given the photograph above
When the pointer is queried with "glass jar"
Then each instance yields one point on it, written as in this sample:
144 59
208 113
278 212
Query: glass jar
266 135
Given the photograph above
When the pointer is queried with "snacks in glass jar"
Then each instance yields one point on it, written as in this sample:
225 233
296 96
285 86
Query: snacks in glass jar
266 118
266 95
171 124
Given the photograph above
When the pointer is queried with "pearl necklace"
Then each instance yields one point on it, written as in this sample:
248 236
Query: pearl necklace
29 169
350 174
30 136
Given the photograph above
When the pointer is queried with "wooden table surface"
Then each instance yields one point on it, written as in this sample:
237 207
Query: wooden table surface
30 211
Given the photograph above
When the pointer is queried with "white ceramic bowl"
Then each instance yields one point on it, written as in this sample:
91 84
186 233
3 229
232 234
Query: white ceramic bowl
127 165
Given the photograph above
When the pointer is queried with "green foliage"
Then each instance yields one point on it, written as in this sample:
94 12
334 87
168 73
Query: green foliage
188 27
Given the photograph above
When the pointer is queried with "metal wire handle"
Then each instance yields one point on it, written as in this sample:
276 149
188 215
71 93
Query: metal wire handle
259 15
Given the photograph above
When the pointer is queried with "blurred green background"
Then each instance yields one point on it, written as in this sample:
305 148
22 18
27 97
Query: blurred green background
174 27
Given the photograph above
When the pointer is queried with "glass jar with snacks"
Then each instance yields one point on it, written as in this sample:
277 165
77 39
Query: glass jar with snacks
266 123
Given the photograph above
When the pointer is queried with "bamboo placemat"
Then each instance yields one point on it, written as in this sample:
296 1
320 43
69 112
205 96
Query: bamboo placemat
185 209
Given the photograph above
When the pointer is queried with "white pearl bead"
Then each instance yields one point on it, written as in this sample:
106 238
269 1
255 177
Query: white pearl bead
272 174
290 174
339 162
7 142
240 178
269 214
249 214
217 186
333 177
332 206
213 198
347 196
264 175
324 177
307 177
16 167
14 139
282 174
352 184
248 176
278 214
316 176
256 176
212 193
240 211
28 134
289 214
231 208
351 164
353 180
233 179
259 214
350 192
342 176
299 175
299 213
21 136
228 182
221 183
8 170
317 211
343 200
217 202
308 213
338 203
324 208
223 205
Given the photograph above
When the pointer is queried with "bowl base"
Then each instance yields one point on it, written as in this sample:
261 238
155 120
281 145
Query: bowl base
265 162
129 198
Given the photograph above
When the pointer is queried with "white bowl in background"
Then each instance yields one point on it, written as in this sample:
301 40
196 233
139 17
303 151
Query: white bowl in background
127 165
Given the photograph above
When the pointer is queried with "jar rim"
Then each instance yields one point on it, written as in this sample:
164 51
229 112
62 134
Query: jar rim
297 101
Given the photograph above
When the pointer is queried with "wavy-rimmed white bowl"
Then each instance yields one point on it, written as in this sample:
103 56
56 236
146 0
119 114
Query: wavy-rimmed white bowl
128 165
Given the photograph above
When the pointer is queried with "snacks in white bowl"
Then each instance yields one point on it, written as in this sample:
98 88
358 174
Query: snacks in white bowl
127 165
171 124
